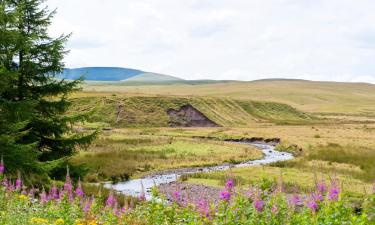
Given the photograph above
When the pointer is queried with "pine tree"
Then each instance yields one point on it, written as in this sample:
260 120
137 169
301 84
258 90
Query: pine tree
30 62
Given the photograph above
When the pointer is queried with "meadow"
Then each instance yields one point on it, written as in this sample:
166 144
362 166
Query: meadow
118 155
69 204
308 96
329 127
331 139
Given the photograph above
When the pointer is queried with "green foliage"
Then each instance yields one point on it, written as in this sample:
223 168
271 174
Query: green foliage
33 104
256 207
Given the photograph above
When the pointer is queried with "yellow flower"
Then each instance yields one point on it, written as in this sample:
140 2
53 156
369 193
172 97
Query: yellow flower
59 221
23 197
78 222
36 220
92 222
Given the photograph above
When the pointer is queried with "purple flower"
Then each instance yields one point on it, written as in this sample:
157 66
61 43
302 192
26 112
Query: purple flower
229 184
87 206
5 182
18 183
321 187
334 194
2 166
110 202
68 186
43 197
296 199
275 209
203 207
317 197
258 204
313 205
79 191
54 193
225 195
177 196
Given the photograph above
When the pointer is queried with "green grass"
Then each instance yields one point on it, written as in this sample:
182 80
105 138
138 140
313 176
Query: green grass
267 177
117 157
308 96
146 111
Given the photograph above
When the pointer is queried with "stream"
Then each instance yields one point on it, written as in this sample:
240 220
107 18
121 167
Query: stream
134 187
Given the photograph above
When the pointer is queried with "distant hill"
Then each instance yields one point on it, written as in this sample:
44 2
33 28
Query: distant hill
115 74
152 77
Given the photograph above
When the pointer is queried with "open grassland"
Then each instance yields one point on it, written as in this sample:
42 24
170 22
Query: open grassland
336 150
268 177
146 111
116 156
308 96
328 126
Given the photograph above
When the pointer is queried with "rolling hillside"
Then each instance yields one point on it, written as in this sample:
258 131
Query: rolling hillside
142 111
308 96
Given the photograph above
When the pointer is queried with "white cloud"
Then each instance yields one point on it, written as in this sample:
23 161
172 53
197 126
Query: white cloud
223 39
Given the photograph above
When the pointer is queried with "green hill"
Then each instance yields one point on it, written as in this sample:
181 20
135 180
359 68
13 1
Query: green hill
143 111
308 96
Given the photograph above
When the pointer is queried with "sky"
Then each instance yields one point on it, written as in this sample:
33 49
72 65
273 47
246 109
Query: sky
331 40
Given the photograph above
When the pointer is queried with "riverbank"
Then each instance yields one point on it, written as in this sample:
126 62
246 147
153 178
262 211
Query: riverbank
136 187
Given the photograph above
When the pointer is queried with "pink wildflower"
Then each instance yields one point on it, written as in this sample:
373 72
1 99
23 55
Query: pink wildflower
321 187
79 191
258 204
225 195
110 202
334 194
87 206
317 197
295 200
313 205
2 167
43 197
19 183
203 207
54 193
177 196
229 184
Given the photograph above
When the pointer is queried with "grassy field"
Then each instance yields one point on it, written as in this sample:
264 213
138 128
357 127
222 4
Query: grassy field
345 151
328 126
308 96
268 177
146 111
117 156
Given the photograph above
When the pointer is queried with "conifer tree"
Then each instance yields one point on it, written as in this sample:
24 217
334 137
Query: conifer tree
31 94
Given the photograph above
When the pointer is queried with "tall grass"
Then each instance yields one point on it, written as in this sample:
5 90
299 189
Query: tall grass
119 157
363 157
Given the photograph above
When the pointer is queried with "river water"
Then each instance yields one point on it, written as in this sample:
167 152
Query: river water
134 187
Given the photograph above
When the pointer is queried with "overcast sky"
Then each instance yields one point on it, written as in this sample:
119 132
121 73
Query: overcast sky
223 39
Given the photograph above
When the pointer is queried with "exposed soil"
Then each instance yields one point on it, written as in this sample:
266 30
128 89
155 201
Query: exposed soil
188 116
190 192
